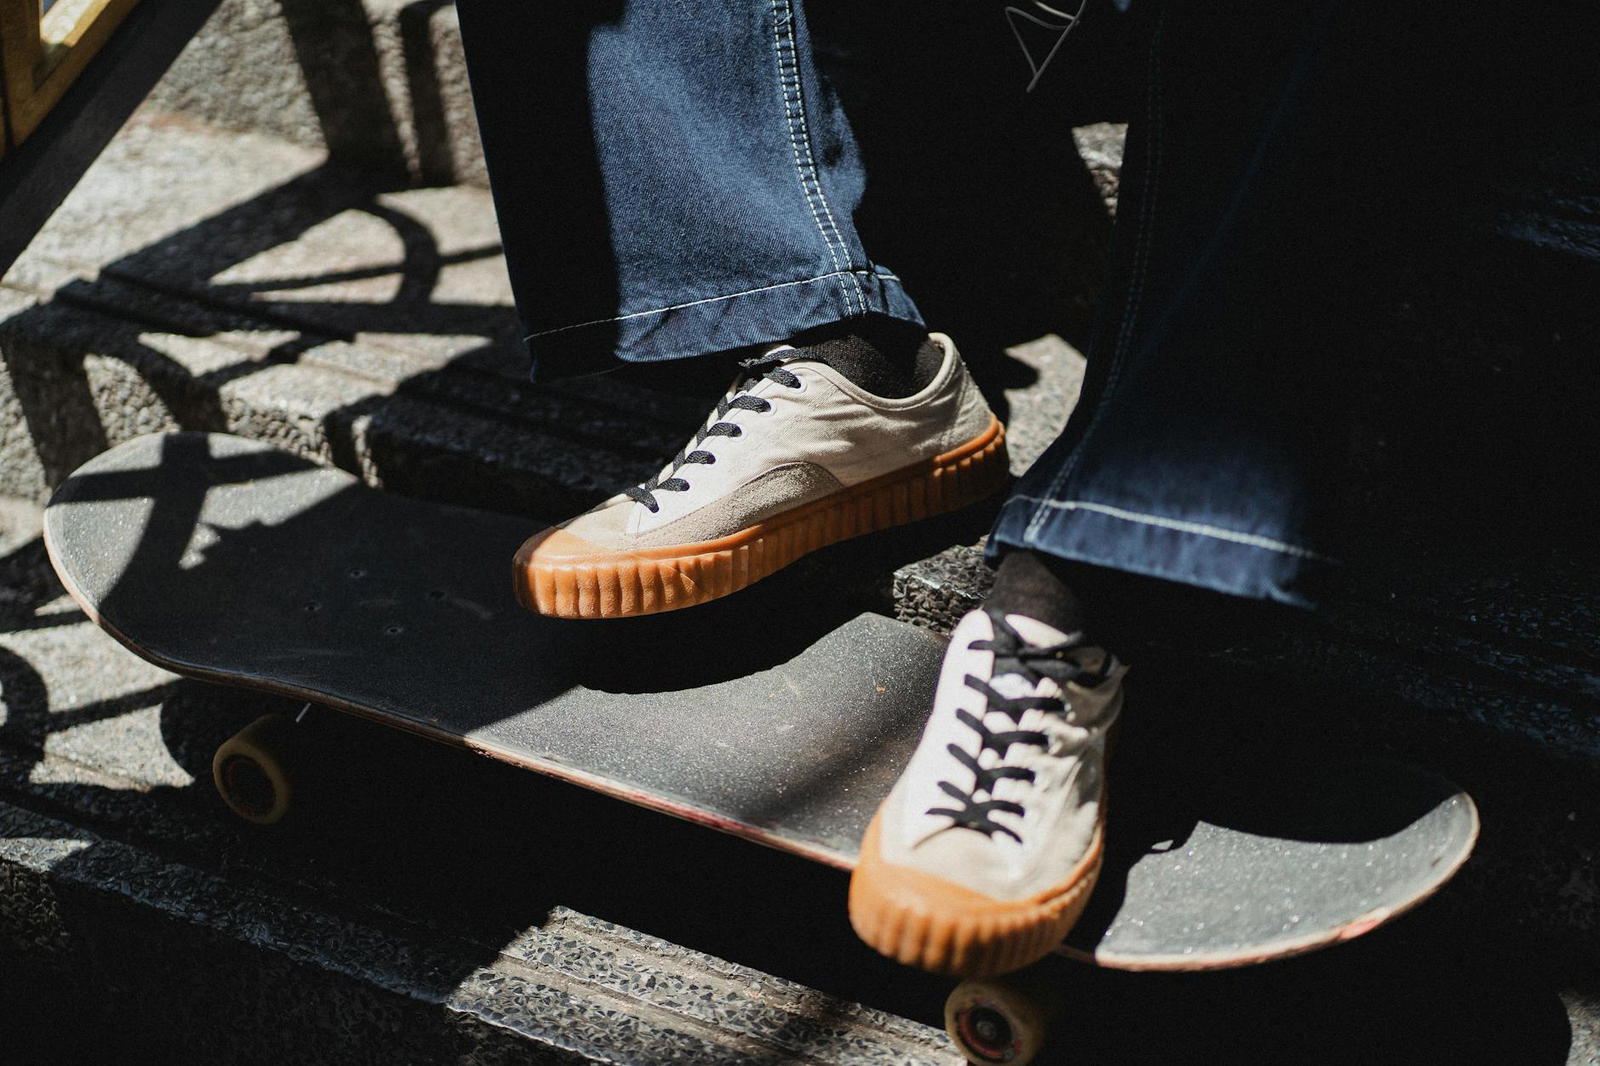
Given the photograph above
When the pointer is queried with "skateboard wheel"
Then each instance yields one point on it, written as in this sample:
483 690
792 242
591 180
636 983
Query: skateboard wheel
995 1021
251 770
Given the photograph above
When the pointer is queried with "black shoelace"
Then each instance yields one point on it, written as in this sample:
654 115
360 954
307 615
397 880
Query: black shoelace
1012 655
767 366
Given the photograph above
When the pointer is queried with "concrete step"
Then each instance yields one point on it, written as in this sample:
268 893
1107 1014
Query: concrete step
199 961
380 84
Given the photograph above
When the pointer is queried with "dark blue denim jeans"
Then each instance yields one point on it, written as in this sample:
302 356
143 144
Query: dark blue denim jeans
672 178
1201 449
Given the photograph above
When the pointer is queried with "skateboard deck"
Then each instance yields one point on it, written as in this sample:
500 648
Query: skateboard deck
231 561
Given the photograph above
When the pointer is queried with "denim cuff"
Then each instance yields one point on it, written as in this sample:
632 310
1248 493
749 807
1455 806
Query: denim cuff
766 315
1193 553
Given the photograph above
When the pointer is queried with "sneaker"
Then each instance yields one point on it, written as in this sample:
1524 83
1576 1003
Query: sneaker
793 458
985 851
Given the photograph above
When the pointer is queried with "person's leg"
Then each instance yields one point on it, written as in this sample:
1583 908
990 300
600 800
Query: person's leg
1200 446
671 179
675 179
1193 457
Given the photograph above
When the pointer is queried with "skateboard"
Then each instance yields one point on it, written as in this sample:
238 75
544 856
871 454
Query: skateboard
231 561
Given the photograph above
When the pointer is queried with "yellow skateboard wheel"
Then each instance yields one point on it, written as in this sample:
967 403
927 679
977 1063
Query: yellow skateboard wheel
253 771
995 1021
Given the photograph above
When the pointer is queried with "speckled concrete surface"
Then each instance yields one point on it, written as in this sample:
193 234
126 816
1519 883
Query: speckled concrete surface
390 82
292 311
575 990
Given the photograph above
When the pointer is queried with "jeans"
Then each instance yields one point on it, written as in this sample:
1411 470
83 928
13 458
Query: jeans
674 179
1199 450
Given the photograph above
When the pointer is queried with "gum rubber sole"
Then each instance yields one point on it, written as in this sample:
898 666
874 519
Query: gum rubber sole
625 584
924 921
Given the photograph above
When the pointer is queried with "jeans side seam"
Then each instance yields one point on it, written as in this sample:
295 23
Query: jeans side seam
1140 270
881 274
1202 529
816 179
784 50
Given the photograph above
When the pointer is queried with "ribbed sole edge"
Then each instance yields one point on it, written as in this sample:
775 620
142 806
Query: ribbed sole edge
922 921
629 585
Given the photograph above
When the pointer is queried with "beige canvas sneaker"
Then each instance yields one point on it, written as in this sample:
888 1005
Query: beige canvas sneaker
985 851
793 458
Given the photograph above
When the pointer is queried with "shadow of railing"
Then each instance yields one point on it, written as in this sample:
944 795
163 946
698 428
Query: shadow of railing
462 340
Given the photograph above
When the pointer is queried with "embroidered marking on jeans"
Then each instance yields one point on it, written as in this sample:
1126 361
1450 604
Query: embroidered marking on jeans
883 275
1037 66
795 115
1198 528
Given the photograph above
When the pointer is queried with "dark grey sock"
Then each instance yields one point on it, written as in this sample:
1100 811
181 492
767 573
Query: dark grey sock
881 355
1030 583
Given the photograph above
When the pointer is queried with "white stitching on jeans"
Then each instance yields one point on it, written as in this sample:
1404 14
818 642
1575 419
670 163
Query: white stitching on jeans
794 115
881 274
816 172
1253 540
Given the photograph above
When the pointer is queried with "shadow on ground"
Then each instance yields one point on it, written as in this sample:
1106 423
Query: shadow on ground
483 851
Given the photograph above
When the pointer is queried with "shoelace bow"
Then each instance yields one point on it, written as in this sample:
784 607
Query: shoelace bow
769 367
1012 655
